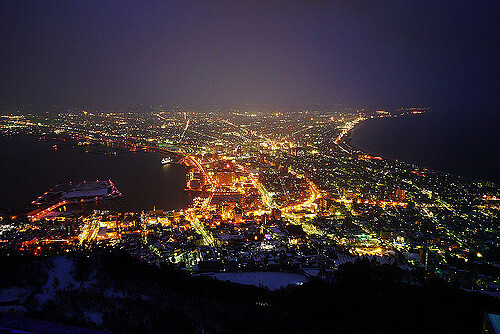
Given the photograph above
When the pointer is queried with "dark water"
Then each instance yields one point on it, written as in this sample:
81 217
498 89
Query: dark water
28 168
461 143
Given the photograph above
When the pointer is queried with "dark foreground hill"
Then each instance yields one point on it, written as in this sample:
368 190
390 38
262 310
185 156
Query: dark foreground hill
111 291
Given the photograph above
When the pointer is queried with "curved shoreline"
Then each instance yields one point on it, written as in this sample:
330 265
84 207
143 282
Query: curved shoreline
347 142
139 177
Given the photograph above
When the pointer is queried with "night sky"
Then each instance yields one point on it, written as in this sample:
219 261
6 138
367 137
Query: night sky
286 54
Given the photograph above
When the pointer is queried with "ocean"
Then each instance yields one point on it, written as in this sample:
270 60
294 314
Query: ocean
28 168
461 143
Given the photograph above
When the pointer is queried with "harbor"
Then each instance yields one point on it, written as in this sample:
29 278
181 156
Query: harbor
67 194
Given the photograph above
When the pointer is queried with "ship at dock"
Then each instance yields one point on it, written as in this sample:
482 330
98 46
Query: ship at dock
167 161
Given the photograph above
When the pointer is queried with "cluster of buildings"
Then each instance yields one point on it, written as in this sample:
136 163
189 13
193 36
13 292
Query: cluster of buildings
275 191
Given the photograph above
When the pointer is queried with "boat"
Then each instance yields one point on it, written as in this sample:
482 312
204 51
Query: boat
166 161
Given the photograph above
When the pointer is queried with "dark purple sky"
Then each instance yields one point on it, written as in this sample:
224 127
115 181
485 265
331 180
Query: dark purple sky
275 53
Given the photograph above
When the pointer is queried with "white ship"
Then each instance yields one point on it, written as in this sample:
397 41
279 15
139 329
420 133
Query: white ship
166 161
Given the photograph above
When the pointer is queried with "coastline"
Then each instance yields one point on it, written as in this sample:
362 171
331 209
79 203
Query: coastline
357 149
432 156
140 177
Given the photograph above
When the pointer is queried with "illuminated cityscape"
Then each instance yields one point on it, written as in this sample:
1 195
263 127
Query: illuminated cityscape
281 191
249 167
271 193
